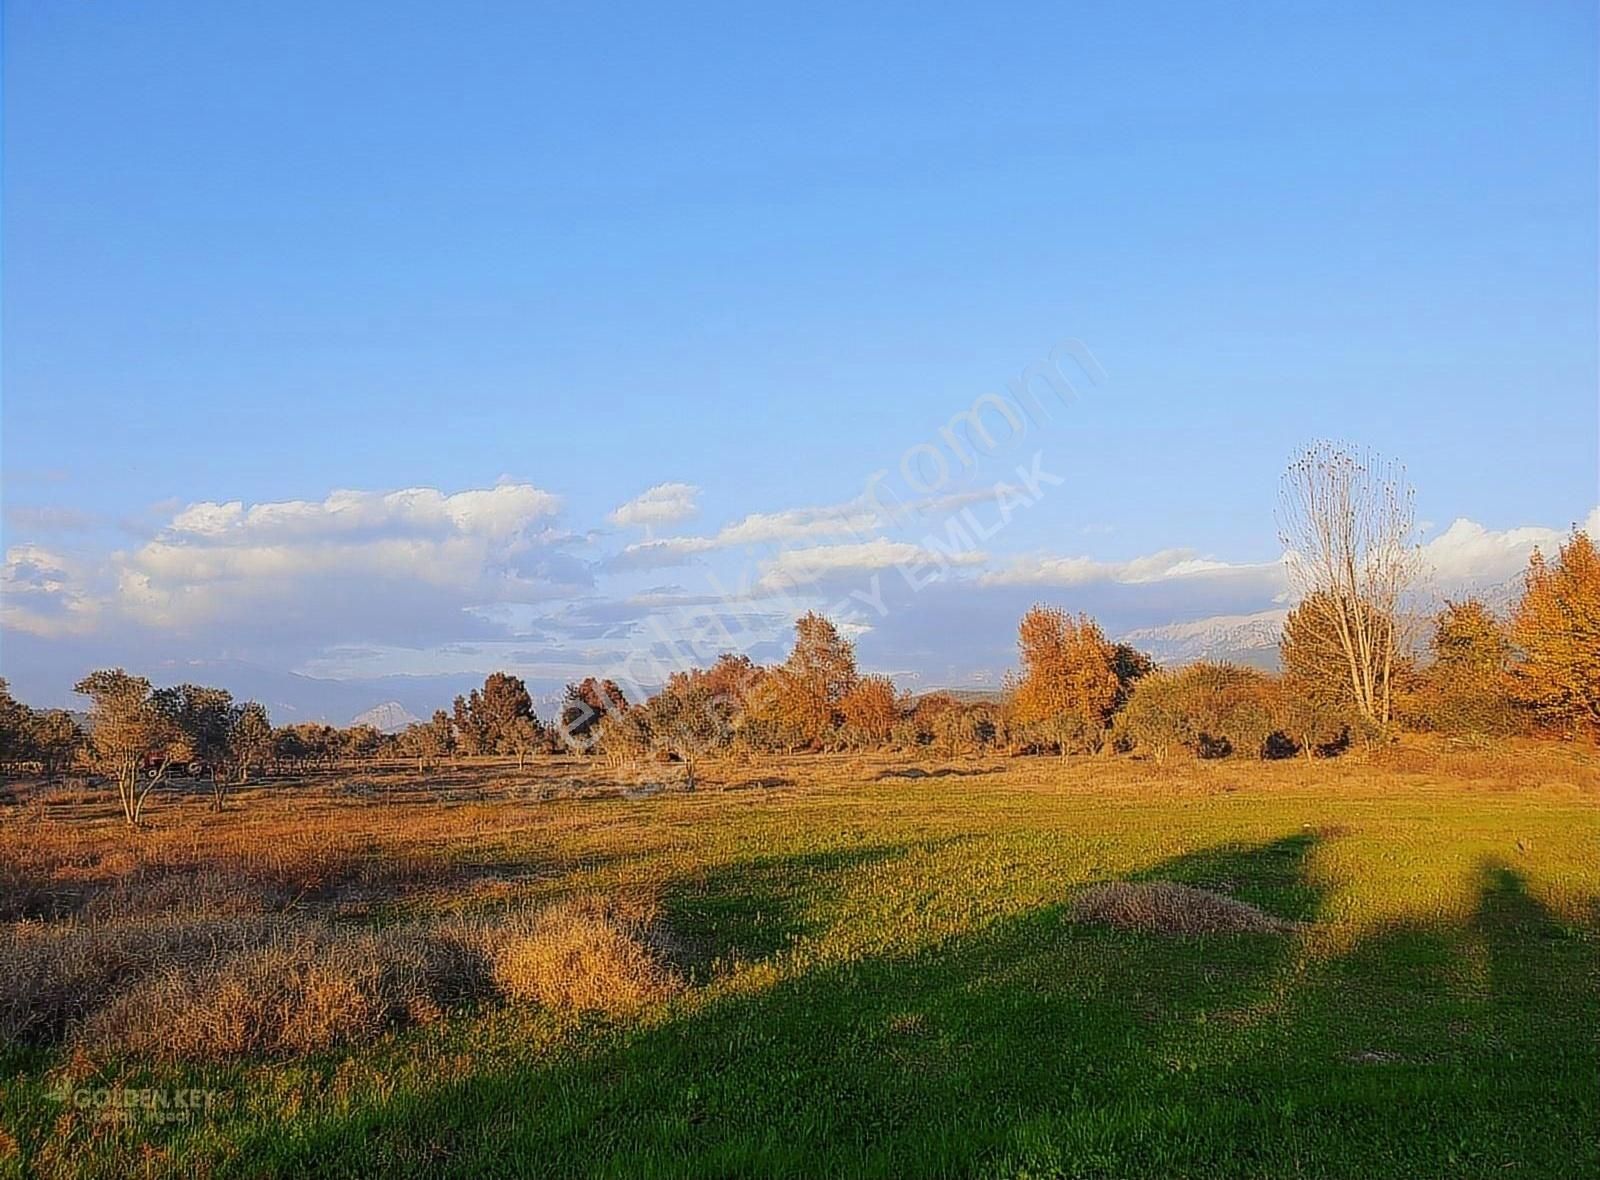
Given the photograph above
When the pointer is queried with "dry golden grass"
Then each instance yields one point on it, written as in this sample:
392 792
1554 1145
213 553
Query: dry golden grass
53 976
308 989
195 985
580 956
1165 907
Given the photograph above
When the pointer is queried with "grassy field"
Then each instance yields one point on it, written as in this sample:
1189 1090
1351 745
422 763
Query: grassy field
877 972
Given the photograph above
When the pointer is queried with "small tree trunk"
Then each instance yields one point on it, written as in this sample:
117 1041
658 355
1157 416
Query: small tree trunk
127 787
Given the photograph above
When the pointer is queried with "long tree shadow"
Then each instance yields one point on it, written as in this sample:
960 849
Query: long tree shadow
1037 1046
755 907
1428 1048
930 1063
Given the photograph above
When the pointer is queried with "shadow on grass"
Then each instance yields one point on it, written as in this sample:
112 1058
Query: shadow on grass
754 908
917 772
1043 1048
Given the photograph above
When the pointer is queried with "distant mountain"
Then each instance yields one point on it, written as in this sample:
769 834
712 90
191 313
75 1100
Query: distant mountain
44 679
389 717
1239 639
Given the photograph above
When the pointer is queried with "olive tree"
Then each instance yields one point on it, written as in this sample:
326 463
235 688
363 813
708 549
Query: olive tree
127 730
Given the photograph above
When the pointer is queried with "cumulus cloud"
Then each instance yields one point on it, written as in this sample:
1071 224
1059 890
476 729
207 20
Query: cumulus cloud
666 503
1467 554
368 550
46 594
404 565
498 512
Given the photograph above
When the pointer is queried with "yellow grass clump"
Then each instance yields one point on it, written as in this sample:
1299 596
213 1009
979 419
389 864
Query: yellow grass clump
580 956
307 990
194 984
53 976
1164 907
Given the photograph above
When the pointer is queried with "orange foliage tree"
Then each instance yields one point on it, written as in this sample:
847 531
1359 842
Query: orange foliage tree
1467 687
1069 683
804 695
870 710
1556 629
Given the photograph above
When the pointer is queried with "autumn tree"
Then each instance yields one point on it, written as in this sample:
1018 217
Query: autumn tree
522 736
802 698
727 686
250 743
444 734
127 728
1131 666
308 742
923 722
426 741
1213 710
1309 716
1155 720
470 725
205 717
55 739
360 742
1556 631
585 705
685 723
700 710
49 737
622 738
1467 687
870 710
1069 684
16 723
1347 521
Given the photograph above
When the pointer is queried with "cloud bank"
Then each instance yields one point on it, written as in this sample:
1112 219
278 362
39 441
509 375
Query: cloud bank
419 580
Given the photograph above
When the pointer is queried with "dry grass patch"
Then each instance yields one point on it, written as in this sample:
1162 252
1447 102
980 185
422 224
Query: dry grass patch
580 956
189 984
53 976
308 989
1165 907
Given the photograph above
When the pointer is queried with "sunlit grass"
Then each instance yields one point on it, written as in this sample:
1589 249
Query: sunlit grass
879 974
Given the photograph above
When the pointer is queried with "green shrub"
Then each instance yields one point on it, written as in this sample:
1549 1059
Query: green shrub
1212 710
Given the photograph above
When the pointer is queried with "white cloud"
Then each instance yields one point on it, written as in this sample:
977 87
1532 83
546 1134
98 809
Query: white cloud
400 564
216 561
497 512
860 520
669 551
47 594
418 570
1466 554
794 567
666 503
1165 564
799 524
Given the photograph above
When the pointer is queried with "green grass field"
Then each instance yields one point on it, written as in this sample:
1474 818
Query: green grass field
884 981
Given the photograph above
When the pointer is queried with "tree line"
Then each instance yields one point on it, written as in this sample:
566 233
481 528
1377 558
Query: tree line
1350 670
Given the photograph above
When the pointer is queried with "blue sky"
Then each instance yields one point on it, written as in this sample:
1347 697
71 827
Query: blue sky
263 253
